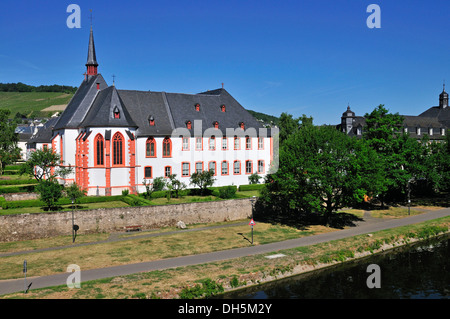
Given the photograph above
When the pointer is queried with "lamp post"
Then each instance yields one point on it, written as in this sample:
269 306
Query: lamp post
73 225
252 222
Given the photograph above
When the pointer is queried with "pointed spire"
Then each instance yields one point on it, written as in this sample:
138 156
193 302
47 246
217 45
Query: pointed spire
91 63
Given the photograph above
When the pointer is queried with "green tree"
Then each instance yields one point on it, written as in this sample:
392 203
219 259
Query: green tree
321 170
40 164
174 186
254 178
49 192
402 156
9 151
74 192
203 180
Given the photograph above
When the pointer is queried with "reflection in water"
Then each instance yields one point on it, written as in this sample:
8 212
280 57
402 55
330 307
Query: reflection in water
418 271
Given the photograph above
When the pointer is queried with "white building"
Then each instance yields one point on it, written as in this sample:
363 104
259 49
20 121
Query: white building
114 139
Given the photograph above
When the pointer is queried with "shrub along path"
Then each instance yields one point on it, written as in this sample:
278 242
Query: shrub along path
373 225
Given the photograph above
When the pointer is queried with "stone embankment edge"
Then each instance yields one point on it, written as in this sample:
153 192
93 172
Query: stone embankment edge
304 269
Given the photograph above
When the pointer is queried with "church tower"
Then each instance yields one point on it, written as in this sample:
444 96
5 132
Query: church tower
443 99
91 63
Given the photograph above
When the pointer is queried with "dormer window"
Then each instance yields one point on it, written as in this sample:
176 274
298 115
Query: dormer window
430 131
189 125
116 112
197 107
418 131
151 120
241 125
222 108
442 131
216 125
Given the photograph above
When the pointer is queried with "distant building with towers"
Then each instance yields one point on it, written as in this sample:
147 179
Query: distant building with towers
434 122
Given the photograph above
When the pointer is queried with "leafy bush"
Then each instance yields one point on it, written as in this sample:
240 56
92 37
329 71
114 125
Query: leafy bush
254 178
227 192
207 288
49 192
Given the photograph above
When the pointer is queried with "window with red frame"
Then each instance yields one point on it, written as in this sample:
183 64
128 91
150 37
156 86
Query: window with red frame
99 150
150 147
167 147
118 149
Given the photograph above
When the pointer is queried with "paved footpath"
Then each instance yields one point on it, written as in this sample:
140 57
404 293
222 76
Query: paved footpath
368 225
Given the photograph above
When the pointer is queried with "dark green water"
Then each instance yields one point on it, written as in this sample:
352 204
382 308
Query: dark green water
420 271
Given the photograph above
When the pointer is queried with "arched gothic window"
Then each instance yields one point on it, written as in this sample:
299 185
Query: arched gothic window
150 147
118 149
99 144
167 147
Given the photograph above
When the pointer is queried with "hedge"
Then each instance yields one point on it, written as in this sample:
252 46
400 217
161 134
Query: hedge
17 189
62 201
18 181
251 187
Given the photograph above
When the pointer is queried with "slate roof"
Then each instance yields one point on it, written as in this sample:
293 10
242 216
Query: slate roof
173 110
91 59
44 133
80 103
101 113
183 109
441 114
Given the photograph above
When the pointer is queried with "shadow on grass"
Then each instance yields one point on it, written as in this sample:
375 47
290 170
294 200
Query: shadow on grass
302 221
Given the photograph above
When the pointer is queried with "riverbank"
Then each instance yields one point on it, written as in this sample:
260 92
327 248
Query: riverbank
234 273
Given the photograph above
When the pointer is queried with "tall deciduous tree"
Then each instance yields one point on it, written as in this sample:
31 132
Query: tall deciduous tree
321 170
9 151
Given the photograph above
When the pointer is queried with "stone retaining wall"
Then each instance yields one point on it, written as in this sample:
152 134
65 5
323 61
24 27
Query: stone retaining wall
42 225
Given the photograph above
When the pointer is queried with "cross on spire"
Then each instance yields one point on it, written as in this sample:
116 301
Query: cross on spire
90 17
113 76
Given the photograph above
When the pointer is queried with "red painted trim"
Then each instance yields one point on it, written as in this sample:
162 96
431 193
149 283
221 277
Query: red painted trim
209 143
118 141
215 167
221 146
239 143
228 168
251 167
132 172
99 138
247 139
149 142
167 141
196 146
257 166
261 148
195 168
189 169
165 175
237 161
151 176
188 144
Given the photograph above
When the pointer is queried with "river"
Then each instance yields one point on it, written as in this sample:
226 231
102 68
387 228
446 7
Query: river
416 271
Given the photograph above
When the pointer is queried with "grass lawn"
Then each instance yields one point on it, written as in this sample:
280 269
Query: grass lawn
252 269
137 250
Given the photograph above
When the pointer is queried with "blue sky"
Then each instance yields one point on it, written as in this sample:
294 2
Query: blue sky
310 57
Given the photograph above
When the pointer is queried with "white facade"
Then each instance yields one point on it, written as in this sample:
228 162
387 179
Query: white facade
233 159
